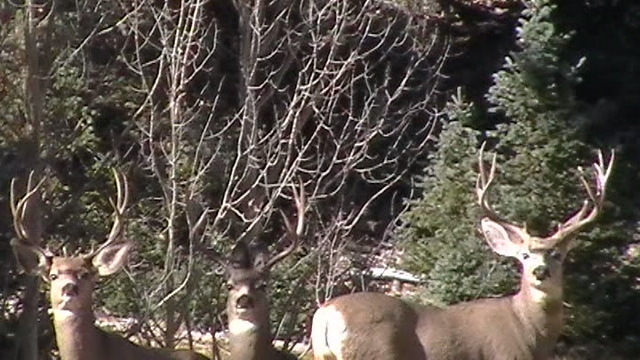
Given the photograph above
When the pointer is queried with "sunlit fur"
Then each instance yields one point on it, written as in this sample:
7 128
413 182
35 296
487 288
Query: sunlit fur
522 326
248 306
71 281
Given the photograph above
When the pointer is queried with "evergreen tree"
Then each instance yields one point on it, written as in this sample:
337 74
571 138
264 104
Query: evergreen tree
440 238
539 149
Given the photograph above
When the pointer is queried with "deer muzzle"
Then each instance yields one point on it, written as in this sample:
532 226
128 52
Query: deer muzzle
244 302
70 289
541 272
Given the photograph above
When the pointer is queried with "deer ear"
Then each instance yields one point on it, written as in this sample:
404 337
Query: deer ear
31 259
502 239
112 258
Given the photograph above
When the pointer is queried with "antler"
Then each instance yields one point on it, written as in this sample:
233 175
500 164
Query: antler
583 216
483 183
25 210
299 198
122 189
485 179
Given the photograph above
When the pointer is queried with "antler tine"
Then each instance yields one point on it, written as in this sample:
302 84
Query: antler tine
122 199
484 182
122 191
582 218
299 198
19 209
119 207
196 222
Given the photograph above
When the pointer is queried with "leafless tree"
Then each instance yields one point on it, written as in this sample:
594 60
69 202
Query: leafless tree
339 94
171 44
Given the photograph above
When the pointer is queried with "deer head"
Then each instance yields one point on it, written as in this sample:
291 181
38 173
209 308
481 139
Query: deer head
541 257
71 278
248 274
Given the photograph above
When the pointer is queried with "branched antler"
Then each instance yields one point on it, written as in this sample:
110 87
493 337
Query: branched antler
483 183
119 208
299 198
26 217
583 217
596 198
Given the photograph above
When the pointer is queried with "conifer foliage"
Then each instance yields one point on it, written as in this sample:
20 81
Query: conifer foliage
539 142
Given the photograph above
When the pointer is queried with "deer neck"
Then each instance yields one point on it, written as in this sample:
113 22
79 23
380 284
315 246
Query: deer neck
540 312
250 340
76 335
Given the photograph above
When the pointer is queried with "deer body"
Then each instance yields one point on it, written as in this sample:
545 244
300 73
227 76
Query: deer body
248 268
79 339
72 280
250 335
253 341
514 327
523 326
366 326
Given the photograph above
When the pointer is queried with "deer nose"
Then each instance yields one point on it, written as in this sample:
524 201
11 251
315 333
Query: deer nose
541 272
70 289
244 302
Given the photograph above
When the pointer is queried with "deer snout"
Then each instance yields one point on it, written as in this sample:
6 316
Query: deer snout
244 302
541 272
70 289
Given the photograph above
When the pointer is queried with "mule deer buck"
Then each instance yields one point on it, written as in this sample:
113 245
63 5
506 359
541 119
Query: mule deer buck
523 326
248 305
72 280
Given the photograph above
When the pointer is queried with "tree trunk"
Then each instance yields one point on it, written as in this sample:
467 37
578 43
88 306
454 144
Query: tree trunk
34 83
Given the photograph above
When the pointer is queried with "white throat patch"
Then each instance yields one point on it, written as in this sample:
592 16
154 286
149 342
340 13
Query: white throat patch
538 296
63 314
239 327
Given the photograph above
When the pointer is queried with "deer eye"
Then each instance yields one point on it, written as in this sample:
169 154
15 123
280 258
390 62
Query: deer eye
525 256
555 255
229 286
83 275
53 276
